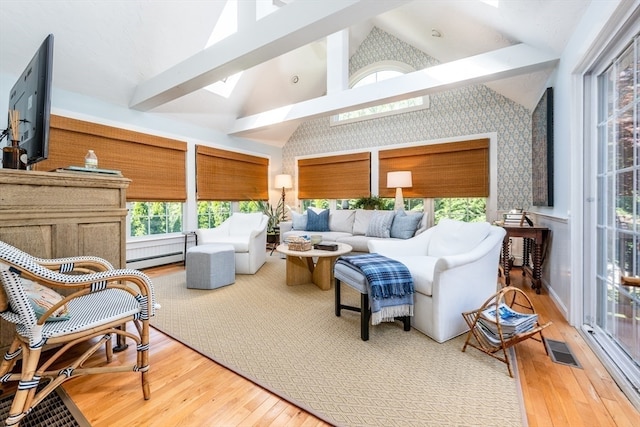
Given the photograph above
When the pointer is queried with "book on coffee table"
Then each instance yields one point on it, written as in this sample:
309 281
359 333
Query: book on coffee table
326 246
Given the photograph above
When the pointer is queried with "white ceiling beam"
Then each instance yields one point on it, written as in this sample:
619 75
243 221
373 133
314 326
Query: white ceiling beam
295 25
498 64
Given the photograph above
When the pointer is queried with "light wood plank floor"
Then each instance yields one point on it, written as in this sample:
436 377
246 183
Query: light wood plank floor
190 390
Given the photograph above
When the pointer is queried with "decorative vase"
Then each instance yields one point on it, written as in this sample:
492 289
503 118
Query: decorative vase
14 157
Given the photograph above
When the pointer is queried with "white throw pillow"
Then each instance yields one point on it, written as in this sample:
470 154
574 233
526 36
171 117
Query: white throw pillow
453 237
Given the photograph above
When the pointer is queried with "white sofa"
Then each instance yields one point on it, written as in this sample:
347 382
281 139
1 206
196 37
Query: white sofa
247 232
454 266
353 227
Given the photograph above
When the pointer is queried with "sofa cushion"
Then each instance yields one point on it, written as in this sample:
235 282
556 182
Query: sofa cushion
451 237
361 221
317 221
404 226
380 224
358 243
342 220
298 221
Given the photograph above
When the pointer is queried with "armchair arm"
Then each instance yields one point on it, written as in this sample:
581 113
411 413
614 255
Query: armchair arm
285 226
84 284
69 264
494 238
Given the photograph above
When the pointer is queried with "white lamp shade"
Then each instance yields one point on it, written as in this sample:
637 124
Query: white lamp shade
283 181
399 179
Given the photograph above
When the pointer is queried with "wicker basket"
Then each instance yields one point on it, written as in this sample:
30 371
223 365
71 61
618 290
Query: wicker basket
299 244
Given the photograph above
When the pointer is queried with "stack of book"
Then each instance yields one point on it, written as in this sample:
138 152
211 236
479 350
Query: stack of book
511 322
513 219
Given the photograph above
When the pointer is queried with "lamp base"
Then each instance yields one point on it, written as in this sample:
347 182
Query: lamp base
399 205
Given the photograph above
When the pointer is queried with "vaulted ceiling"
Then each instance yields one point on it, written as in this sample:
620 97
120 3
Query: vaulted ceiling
150 55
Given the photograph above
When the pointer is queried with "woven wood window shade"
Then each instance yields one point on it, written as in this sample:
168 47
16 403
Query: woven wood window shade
455 169
155 165
335 177
229 176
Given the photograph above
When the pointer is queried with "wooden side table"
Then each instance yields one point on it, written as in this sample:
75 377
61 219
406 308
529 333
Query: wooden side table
534 252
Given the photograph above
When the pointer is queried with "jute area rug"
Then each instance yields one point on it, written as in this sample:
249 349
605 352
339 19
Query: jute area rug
288 340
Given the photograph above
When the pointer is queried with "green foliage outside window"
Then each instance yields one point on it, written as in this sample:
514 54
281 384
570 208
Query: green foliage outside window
212 214
151 218
462 209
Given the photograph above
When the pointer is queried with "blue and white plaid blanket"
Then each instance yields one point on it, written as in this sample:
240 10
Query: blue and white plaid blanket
390 285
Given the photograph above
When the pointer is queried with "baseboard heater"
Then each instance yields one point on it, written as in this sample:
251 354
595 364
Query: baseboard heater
152 257
155 260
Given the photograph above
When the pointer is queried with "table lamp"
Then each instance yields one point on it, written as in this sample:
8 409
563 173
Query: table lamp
399 180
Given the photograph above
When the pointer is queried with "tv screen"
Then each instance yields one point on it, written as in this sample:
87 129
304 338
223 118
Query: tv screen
30 97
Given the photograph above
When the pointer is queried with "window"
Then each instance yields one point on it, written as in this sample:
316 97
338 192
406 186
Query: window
613 308
375 73
152 218
461 209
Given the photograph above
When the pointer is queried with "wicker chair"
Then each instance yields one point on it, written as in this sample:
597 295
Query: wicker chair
100 301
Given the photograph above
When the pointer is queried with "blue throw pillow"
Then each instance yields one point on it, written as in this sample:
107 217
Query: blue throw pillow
317 221
404 226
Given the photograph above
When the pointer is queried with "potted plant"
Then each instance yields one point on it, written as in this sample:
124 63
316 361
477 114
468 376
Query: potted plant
275 214
369 202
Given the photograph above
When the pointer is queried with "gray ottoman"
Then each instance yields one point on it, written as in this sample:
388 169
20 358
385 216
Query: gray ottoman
210 266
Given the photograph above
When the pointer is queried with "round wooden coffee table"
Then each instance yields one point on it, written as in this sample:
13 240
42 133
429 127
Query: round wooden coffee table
314 266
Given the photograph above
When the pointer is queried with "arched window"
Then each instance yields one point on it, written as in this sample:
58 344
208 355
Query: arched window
375 73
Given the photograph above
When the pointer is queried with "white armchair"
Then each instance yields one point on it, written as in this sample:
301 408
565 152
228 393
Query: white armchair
247 232
454 266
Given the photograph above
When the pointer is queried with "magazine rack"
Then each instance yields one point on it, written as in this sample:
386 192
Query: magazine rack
483 327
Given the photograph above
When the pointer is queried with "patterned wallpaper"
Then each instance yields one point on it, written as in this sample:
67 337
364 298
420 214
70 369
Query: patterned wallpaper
466 111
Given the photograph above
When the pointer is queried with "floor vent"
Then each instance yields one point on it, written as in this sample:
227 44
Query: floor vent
560 352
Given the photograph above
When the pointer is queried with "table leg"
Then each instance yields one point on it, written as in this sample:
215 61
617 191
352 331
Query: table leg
537 267
505 260
298 272
323 273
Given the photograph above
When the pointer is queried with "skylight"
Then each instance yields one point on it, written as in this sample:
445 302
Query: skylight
227 25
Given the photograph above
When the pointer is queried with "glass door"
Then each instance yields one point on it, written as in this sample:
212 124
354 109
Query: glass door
616 320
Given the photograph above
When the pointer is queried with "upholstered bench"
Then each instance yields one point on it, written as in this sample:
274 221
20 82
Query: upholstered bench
210 266
356 280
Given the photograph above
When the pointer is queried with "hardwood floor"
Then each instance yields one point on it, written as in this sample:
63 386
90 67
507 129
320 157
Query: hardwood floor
190 390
